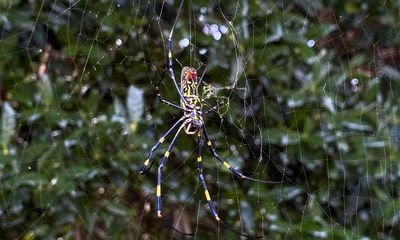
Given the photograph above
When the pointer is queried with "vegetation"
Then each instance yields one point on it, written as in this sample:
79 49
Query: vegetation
307 94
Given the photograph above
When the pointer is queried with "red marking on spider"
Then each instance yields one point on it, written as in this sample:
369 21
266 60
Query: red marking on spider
191 74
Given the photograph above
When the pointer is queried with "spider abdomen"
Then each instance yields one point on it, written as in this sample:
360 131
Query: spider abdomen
189 85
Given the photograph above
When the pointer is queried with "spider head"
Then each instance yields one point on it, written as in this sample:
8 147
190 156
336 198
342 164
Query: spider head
189 74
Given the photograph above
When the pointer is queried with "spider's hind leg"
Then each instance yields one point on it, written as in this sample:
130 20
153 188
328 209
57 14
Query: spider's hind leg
228 166
203 182
210 203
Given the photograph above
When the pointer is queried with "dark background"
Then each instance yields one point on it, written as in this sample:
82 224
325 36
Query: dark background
307 94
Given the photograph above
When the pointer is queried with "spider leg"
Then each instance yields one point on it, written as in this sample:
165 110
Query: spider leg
203 182
202 75
160 166
211 205
149 162
161 98
228 166
169 60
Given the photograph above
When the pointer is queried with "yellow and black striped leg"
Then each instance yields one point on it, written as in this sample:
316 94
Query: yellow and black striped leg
149 162
203 182
160 166
228 166
169 60
161 98
210 203
202 76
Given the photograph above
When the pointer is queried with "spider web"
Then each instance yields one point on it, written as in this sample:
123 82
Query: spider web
304 94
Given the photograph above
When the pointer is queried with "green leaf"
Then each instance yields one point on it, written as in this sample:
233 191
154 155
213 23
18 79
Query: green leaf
117 209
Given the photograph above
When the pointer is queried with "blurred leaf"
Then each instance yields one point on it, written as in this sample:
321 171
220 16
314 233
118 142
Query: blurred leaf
134 105
276 35
45 90
117 209
29 179
7 3
280 136
8 125
390 72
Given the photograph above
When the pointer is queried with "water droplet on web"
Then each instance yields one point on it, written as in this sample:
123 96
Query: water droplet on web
217 35
202 51
95 120
214 28
354 81
201 18
183 43
53 181
206 29
223 29
118 42
310 43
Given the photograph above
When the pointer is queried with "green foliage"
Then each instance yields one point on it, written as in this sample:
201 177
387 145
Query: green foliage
309 94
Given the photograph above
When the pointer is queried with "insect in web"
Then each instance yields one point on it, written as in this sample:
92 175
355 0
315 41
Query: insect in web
192 123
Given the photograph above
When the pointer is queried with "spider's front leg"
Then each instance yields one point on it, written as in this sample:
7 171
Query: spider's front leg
149 162
161 97
169 59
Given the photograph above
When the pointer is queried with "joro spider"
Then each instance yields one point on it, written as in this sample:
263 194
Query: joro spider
192 123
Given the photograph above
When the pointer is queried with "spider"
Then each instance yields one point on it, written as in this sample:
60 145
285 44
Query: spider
192 123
